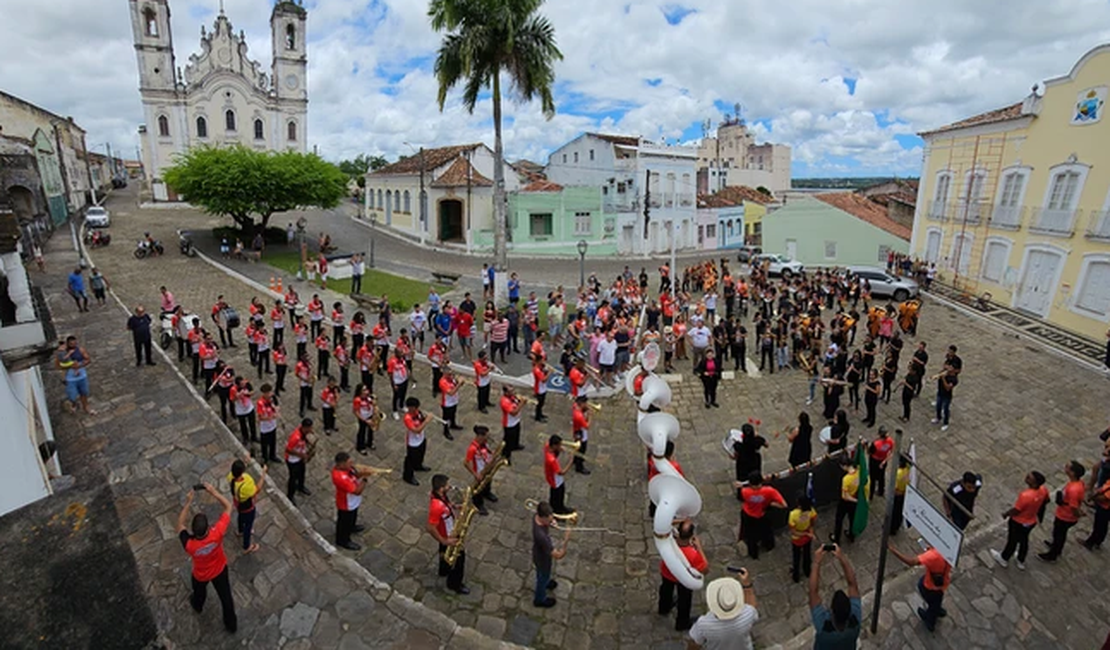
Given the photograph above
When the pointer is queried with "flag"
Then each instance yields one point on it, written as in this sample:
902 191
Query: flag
859 522
809 485
913 463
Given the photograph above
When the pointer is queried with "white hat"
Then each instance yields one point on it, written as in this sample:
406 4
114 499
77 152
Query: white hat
725 598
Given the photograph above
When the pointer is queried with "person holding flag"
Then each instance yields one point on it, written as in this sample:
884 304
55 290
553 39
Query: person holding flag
854 488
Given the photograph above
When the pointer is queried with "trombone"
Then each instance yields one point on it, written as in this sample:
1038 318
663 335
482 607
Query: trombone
568 522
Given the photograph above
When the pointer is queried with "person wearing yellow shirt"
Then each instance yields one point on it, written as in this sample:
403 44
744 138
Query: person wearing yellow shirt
244 493
901 480
846 507
802 522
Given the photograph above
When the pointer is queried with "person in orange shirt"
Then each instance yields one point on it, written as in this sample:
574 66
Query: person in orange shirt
441 526
303 371
329 399
296 457
478 458
580 430
577 377
539 387
204 544
281 366
323 354
365 358
449 387
537 346
511 406
364 406
349 486
343 361
194 338
553 473
754 528
268 416
277 320
483 380
690 546
399 379
415 444
300 336
1069 508
315 315
1027 511
338 321
440 359
938 575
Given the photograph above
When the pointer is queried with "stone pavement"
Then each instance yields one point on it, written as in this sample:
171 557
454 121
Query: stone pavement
154 439
1017 408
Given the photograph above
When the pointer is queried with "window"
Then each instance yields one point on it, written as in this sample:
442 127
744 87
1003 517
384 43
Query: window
381 204
729 225
1094 287
830 250
408 202
1065 187
576 157
229 120
620 187
388 199
583 223
369 199
539 224
685 190
564 159
163 126
202 127
976 179
711 231
290 37
150 19
940 194
1063 193
668 198
259 130
994 260
396 201
1008 211
884 251
292 128
591 154
655 202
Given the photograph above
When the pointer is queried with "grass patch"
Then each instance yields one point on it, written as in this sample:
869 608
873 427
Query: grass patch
403 293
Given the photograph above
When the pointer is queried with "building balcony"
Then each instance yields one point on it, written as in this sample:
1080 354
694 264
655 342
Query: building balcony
1099 228
967 213
1054 223
1006 217
938 211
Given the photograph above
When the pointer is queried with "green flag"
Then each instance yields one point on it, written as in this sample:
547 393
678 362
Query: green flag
859 522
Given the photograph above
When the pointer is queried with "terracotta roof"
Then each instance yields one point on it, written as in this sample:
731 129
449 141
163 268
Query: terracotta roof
528 168
461 174
865 209
1011 112
624 140
902 196
433 158
542 185
715 201
740 193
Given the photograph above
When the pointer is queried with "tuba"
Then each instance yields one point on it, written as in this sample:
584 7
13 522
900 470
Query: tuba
452 554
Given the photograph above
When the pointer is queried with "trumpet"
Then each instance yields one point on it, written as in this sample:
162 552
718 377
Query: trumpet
572 446
568 522
366 470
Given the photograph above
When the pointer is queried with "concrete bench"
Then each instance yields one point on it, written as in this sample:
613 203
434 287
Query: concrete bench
446 277
369 303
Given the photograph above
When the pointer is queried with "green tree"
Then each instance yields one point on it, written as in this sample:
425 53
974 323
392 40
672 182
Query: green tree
482 39
243 184
362 165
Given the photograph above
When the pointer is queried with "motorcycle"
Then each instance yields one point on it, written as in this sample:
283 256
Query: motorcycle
146 249
97 238
185 244
168 334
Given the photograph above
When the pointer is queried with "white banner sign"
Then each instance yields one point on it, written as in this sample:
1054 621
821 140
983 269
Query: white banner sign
933 525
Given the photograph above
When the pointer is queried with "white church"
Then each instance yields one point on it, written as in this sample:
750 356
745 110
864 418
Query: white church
222 96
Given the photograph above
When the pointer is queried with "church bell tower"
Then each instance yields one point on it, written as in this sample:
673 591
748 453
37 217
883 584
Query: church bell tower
287 26
150 27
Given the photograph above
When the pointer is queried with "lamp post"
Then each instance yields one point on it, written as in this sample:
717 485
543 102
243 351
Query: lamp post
423 208
373 231
582 247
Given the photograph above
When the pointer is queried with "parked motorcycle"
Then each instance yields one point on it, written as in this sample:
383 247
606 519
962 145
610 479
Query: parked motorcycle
168 334
148 248
97 238
185 244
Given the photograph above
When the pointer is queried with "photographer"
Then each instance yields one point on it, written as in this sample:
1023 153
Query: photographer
206 546
732 613
838 626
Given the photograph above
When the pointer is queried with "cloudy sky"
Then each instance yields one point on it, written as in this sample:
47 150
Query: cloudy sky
845 83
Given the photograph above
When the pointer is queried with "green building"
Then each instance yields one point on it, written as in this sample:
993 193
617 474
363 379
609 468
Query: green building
546 218
834 229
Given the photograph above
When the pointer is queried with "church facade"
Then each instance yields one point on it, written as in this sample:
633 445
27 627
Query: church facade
222 96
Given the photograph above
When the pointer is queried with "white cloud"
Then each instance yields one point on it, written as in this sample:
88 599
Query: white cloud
918 64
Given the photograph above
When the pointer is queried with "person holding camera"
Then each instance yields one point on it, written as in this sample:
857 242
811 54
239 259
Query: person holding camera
838 626
732 613
938 575
205 546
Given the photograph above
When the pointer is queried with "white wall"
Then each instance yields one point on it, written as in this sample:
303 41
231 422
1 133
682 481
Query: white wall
22 478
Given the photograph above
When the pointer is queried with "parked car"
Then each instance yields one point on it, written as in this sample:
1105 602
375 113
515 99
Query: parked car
778 264
884 285
746 253
97 217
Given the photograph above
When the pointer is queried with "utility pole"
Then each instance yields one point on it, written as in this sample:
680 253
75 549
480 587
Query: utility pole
647 207
893 463
423 201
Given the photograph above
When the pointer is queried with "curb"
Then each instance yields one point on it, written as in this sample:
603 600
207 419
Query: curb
409 610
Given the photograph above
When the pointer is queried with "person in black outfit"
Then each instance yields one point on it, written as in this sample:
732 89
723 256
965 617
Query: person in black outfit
963 492
668 586
747 452
839 435
767 349
739 344
854 376
833 388
868 353
139 326
889 374
709 369
871 393
801 441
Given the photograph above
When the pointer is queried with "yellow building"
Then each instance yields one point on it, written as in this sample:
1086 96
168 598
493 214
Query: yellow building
1014 202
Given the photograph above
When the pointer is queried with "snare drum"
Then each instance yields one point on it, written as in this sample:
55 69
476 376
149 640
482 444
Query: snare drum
300 310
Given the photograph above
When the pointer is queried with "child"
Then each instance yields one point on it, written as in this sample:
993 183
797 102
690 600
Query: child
802 521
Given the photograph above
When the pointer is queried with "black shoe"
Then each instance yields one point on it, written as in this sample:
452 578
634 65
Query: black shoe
455 427
276 461
483 410
584 471
707 405
151 363
942 613
716 405
518 448
482 511
552 584
358 528
462 590
447 434
423 468
312 408
362 451
138 364
351 546
546 602
921 613
412 481
305 491
1047 557
491 498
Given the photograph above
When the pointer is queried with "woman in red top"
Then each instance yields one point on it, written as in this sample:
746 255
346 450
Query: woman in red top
358 330
343 360
754 529
323 354
1023 517
338 321
205 546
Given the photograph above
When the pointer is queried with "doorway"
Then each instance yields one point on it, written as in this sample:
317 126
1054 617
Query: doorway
792 248
1038 282
451 220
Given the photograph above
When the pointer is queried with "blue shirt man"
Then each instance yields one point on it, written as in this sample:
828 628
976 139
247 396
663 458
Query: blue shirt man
514 289
76 288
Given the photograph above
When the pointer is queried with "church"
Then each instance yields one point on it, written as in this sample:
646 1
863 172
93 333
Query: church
222 96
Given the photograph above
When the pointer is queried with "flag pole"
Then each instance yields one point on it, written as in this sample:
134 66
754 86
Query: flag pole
892 461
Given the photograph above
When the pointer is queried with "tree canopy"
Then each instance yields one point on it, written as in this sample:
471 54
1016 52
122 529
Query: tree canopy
362 165
243 184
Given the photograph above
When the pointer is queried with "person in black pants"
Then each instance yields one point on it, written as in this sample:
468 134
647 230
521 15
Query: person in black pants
889 374
871 391
202 540
139 326
349 486
1069 504
669 584
709 369
553 472
767 350
739 348
441 523
296 458
846 506
1021 518
910 386
415 443
854 375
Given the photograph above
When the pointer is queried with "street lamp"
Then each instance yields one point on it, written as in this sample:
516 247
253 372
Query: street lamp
582 246
373 231
423 208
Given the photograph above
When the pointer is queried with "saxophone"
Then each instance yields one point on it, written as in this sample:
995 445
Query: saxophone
451 555
498 462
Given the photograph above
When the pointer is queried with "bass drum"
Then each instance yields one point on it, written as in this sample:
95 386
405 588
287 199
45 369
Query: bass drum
300 310
231 318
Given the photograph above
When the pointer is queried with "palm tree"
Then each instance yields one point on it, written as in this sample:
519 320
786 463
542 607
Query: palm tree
483 39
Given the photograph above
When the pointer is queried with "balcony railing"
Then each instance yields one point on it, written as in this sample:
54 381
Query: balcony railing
939 211
967 213
1099 228
1006 217
1055 223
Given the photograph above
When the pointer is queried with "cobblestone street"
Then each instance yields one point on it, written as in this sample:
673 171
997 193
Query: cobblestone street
1017 408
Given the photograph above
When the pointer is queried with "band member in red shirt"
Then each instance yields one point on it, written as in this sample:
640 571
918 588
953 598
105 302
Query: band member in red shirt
580 430
358 330
338 321
343 361
754 529
194 339
415 444
482 379
219 317
478 458
281 366
381 334
225 379
577 377
268 416
554 472
441 526
537 347
449 387
209 356
329 400
241 397
262 350
365 406
539 387
1069 508
315 315
1022 518
349 486
365 357
404 344
323 353
296 458
691 548
300 336
180 325
303 371
879 452
399 379
511 407
439 358
277 322
291 302
205 545
933 584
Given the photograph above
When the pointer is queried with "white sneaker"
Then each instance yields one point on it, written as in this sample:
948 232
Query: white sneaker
934 421
1020 565
808 402
998 558
396 415
944 428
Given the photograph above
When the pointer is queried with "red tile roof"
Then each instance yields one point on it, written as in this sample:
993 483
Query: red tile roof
740 193
624 140
433 159
1011 112
715 201
899 197
461 174
865 209
542 185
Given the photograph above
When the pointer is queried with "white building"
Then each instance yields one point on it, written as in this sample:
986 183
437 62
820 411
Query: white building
222 97
627 168
733 158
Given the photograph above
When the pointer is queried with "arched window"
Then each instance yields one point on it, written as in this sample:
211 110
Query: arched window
163 126
150 20
229 119
381 204
369 199
292 128
408 204
396 201
290 37
388 198
259 133
202 127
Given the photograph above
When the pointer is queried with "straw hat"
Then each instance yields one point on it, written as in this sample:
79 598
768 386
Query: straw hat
725 598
